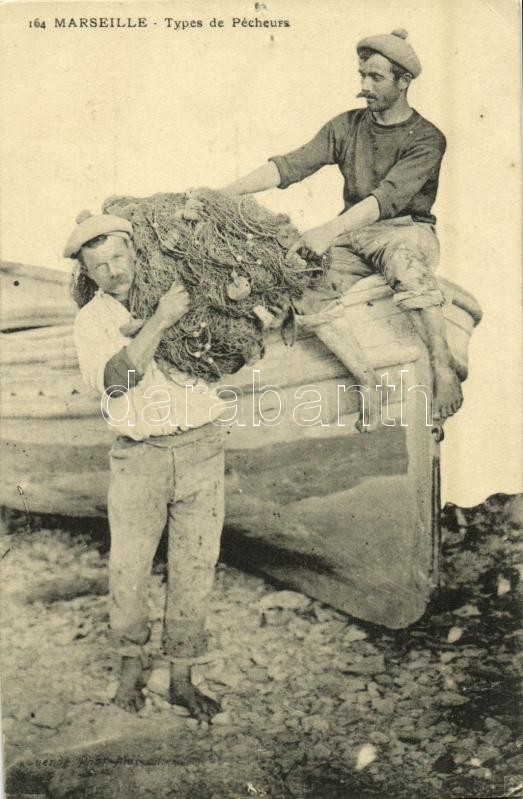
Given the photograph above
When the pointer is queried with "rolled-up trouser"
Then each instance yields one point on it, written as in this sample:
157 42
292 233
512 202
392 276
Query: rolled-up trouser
178 480
405 252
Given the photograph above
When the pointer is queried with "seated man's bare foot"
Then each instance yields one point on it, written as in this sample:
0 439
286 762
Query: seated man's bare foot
448 396
183 692
129 695
371 423
370 405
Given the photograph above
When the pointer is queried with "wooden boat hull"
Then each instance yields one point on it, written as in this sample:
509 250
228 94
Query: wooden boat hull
345 517
33 296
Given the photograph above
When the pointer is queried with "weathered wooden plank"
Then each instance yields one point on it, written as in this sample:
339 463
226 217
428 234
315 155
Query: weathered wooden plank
33 296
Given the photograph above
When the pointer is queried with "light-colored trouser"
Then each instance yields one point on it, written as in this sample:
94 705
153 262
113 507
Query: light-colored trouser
405 252
178 480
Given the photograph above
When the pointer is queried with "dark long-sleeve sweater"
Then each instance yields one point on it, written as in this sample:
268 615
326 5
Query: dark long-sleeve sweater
398 164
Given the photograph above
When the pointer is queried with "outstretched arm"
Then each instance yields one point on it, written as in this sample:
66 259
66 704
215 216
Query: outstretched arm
261 179
283 170
318 240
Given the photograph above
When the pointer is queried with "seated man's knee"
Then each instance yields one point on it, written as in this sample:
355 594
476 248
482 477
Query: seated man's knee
414 244
408 269
413 282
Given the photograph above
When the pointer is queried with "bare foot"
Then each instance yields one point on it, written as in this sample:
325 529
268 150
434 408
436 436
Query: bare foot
448 396
369 416
129 695
183 692
371 423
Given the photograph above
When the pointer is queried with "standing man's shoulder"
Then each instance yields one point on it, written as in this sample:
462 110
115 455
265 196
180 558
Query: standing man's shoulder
428 133
88 312
96 318
84 313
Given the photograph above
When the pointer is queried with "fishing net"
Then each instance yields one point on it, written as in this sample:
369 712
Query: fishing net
230 255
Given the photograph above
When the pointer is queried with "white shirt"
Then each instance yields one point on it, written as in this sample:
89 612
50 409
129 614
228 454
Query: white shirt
156 405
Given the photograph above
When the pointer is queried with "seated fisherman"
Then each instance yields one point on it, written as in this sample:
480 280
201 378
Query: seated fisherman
162 472
390 158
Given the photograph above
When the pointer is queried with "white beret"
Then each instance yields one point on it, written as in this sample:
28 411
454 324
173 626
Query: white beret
89 227
394 47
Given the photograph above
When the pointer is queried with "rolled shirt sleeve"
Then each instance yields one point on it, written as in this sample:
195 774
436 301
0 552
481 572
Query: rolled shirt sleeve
407 178
94 349
117 371
323 149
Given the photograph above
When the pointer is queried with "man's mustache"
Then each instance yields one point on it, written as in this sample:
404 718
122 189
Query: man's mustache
120 280
367 96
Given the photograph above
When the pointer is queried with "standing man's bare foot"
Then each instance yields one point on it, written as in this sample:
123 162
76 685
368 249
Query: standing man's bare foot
129 695
448 396
183 692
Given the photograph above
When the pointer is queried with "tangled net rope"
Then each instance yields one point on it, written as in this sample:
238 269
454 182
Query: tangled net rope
230 255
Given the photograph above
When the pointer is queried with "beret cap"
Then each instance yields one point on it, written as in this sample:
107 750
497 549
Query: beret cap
90 226
394 47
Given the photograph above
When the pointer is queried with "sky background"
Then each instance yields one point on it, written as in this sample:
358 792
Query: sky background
90 113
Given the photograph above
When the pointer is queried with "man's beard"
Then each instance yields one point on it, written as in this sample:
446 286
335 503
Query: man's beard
376 103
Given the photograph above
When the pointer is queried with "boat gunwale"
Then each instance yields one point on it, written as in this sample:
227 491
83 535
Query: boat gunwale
461 297
44 273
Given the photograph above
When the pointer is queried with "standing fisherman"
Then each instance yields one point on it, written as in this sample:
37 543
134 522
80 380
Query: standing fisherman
390 158
162 472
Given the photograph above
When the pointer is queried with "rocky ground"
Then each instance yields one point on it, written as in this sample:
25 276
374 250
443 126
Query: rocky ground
315 705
